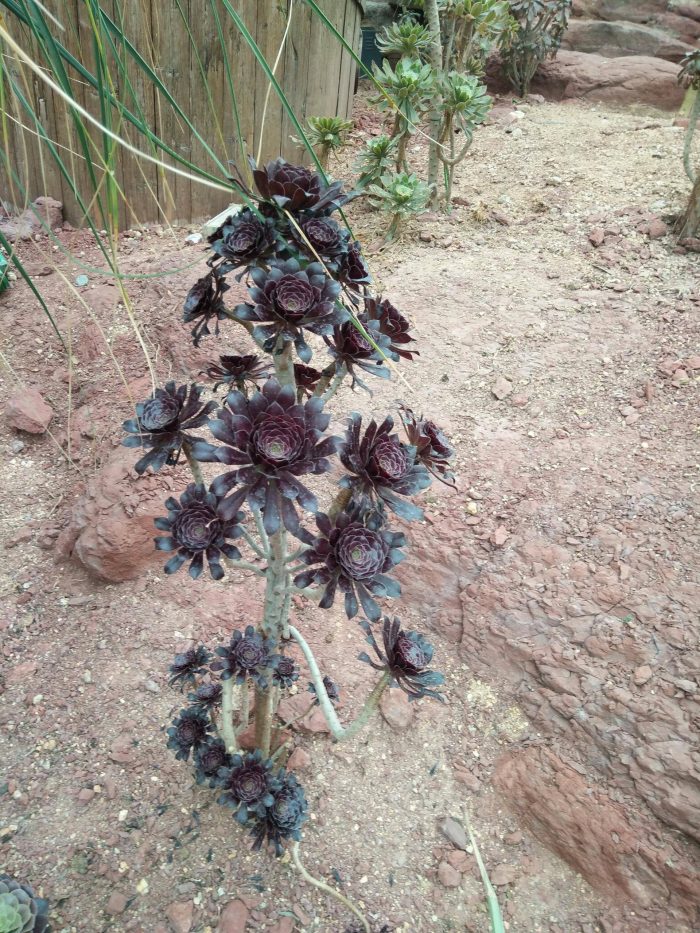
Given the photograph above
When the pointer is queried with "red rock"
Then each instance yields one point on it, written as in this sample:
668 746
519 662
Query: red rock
513 839
283 925
501 388
642 675
693 362
85 796
397 710
20 672
116 904
299 760
27 411
596 236
519 401
180 914
234 917
499 536
448 876
503 874
459 860
657 229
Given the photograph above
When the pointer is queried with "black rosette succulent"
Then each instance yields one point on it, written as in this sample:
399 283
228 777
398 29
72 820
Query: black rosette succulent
271 440
197 530
284 817
331 689
204 304
21 911
353 271
188 665
244 239
433 449
248 786
207 696
382 468
209 759
306 378
392 324
322 237
237 371
248 655
351 350
162 424
295 188
189 731
285 672
406 656
354 556
288 300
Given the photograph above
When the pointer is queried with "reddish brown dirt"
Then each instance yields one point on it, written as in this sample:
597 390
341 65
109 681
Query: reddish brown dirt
559 580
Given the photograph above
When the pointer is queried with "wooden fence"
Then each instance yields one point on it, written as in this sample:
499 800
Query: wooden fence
181 40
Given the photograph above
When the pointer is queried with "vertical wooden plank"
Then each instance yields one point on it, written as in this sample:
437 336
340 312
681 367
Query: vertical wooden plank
271 23
297 63
343 59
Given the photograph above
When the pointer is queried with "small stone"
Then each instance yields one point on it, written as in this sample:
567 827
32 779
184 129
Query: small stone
657 229
85 796
283 925
180 914
693 362
17 446
151 686
501 388
454 831
499 536
503 874
397 710
596 237
680 377
459 860
234 917
642 675
520 401
472 508
448 876
193 239
116 904
513 839
425 236
27 411
299 760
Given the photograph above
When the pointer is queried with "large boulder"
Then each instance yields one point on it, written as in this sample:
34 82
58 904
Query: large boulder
633 11
44 213
111 529
615 39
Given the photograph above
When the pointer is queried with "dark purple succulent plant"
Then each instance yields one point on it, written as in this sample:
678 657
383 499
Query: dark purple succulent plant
272 441
284 817
288 300
433 449
353 271
392 324
351 350
322 237
207 696
296 188
354 555
406 657
306 378
188 665
209 759
244 239
285 672
382 468
189 731
248 655
331 690
237 371
197 530
204 304
163 422
248 786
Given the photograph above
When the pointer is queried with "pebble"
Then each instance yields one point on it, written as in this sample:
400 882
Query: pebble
396 710
116 904
503 874
234 917
448 876
642 675
85 796
513 839
454 831
501 388
299 760
151 686
180 914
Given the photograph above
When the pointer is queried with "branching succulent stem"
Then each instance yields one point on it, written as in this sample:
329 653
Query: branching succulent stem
293 722
264 701
194 465
284 365
322 886
335 385
693 118
228 733
245 707
255 546
257 515
432 17
338 731
339 503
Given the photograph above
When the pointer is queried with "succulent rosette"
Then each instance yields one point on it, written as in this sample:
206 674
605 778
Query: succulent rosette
381 468
353 270
352 350
283 818
209 759
354 556
322 237
248 655
271 440
306 378
248 786
197 529
238 371
288 300
204 304
244 239
392 324
207 696
406 656
21 911
189 731
188 665
433 449
285 672
331 689
296 188
163 422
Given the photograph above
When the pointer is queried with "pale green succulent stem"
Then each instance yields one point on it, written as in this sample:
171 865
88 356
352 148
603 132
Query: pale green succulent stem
322 886
432 18
275 622
693 118
254 544
194 466
228 733
245 707
257 515
335 385
338 731
284 365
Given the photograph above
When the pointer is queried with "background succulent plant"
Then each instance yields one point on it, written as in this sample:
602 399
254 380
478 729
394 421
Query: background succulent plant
536 35
328 134
21 911
401 195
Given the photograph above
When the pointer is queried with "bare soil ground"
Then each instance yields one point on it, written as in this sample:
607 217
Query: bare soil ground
596 435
